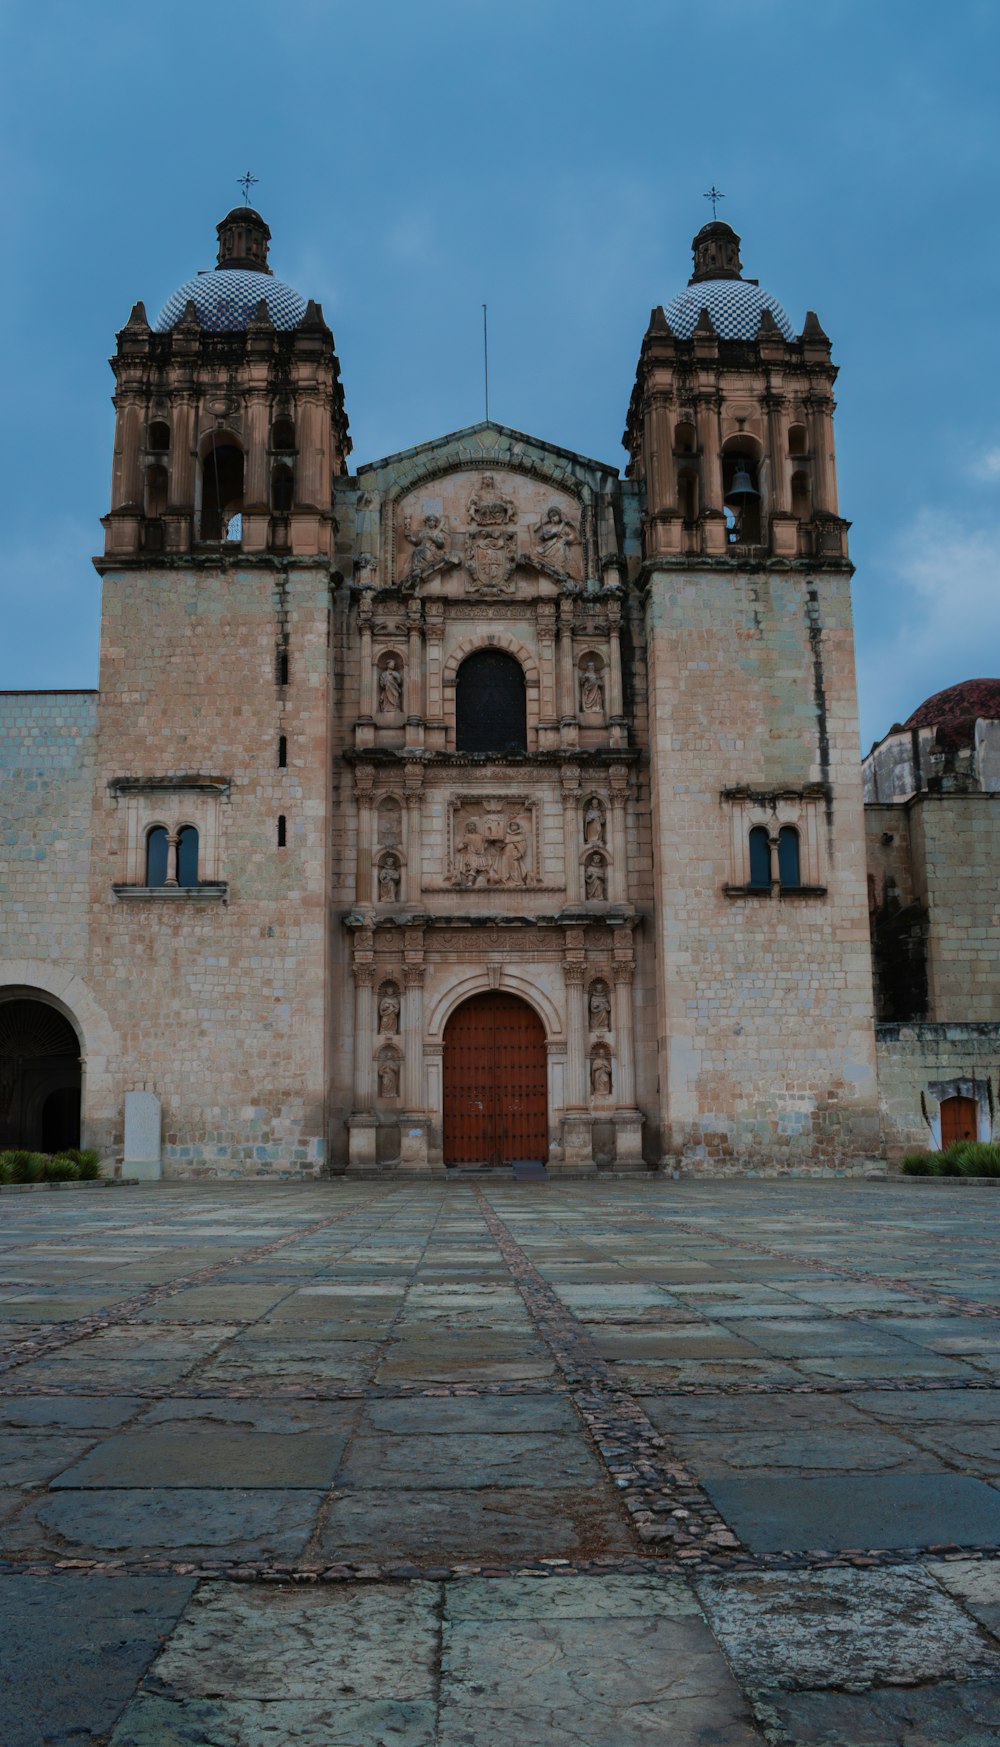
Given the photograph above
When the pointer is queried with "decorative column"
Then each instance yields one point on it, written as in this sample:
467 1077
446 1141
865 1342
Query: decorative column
571 830
362 1122
661 484
627 1119
618 883
578 1147
548 711
434 645
413 1150
364 732
414 675
616 716
568 711
414 785
710 444
364 790
820 412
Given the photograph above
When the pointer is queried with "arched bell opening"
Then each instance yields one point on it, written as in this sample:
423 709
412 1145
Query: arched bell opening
741 491
495 1083
222 490
40 1077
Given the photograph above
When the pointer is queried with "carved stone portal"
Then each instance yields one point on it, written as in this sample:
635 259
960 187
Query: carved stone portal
491 543
492 843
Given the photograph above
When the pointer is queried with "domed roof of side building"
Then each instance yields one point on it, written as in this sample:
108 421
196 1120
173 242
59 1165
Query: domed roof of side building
971 700
734 304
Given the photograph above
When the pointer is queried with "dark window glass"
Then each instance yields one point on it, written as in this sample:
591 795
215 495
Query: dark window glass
282 434
282 666
490 708
159 436
187 856
282 752
282 490
282 835
760 857
156 857
788 856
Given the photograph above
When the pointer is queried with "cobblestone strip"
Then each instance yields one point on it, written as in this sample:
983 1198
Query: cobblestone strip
665 1502
66 1334
861 1276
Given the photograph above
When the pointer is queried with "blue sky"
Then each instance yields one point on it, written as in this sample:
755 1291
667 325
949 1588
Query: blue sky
419 156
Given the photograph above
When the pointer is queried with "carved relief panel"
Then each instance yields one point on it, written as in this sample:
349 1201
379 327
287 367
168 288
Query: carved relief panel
492 843
482 534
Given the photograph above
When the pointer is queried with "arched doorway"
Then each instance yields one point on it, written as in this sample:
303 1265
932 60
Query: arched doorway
40 1077
495 1083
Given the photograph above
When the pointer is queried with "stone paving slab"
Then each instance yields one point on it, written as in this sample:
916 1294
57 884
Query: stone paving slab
976 1585
153 1525
774 1512
74 1647
844 1628
495 1525
152 1721
945 1715
542 1459
217 1457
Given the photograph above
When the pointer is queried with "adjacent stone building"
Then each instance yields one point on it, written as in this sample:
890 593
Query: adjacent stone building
475 807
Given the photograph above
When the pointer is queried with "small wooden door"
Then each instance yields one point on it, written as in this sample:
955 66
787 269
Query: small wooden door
495 1083
958 1120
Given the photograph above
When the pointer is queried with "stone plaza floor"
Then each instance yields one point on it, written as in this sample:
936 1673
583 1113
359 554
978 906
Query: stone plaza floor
391 1464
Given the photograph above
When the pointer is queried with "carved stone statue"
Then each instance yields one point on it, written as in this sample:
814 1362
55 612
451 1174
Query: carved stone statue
555 537
388 880
513 869
593 822
388 1077
599 1008
594 877
388 1011
600 1077
390 687
430 549
592 689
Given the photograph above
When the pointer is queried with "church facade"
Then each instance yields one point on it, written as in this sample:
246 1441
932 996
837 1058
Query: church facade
475 807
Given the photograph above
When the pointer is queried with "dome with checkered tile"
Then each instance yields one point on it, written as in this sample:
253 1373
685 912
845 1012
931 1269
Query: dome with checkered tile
735 305
226 299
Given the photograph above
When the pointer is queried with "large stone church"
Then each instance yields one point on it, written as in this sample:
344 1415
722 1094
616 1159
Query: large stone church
485 806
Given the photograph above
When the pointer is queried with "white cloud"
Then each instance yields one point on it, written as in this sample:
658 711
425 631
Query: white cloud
987 465
945 586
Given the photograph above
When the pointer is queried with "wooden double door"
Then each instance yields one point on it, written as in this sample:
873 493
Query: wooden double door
495 1083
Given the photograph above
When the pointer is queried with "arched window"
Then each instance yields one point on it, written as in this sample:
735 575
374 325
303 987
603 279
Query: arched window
801 496
788 856
156 856
490 704
282 489
282 434
685 438
159 437
760 857
797 440
221 491
187 856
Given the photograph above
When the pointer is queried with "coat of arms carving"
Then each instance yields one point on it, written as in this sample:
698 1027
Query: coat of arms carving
490 541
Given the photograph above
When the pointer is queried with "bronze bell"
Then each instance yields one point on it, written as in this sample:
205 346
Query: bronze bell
742 488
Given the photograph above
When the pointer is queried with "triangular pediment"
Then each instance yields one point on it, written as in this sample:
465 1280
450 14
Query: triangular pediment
483 445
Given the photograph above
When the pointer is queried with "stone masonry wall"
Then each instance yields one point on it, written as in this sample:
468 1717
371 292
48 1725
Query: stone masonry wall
765 1002
918 1065
46 779
219 1006
956 851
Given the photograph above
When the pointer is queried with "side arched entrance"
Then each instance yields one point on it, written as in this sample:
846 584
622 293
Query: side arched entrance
495 1083
40 1077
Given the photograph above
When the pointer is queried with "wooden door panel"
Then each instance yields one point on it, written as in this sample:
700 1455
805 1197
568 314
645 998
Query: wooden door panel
958 1120
495 1083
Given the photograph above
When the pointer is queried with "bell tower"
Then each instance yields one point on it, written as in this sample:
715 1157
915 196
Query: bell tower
764 981
230 422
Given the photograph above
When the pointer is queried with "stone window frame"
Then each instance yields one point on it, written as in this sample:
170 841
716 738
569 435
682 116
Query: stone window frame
802 809
172 802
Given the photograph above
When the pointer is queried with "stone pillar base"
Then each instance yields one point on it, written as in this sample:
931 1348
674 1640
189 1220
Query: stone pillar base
147 1170
361 1146
628 1137
577 1146
414 1154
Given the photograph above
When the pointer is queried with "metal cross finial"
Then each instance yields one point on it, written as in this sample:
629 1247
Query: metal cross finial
247 182
714 195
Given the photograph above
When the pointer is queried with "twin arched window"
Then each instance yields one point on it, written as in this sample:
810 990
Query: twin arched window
172 863
490 704
789 866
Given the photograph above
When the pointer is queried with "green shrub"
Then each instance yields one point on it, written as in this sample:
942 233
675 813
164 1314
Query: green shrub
60 1170
23 1167
919 1165
975 1158
88 1163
